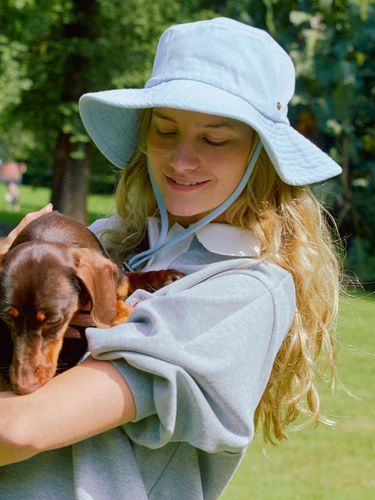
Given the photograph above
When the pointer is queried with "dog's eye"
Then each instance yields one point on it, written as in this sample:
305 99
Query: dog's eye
8 315
14 312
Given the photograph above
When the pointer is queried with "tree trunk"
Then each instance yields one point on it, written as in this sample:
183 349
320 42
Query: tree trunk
71 175
70 181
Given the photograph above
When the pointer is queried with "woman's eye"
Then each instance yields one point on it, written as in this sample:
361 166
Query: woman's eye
165 133
215 143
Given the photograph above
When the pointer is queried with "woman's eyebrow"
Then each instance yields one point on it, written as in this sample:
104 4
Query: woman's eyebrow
219 124
163 117
223 124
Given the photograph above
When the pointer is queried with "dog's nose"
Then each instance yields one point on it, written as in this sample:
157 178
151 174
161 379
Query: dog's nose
22 390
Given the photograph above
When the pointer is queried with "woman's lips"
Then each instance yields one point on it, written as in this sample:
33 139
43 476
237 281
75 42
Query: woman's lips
180 185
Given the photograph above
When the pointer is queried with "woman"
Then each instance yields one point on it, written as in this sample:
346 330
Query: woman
11 174
215 186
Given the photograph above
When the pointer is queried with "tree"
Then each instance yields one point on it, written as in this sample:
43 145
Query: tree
332 44
67 48
70 162
55 35
334 54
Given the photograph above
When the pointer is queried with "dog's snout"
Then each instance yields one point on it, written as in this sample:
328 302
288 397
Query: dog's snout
26 377
22 390
23 380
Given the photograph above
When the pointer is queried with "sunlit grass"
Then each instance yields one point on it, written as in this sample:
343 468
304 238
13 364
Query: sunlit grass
325 463
33 198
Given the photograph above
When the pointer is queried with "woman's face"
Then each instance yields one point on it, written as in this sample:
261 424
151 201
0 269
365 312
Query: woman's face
197 160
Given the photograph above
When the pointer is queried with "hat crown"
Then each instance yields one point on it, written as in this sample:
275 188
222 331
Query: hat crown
229 55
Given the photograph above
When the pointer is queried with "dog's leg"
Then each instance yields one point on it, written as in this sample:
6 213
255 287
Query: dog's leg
123 312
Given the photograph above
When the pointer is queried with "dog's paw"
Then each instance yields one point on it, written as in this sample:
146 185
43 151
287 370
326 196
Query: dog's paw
153 280
123 312
160 279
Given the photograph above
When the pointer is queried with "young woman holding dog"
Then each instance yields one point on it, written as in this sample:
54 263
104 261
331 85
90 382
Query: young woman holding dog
215 185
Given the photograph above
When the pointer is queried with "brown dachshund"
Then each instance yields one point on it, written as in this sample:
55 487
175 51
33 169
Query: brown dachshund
52 270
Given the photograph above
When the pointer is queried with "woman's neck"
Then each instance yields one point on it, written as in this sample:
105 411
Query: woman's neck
186 221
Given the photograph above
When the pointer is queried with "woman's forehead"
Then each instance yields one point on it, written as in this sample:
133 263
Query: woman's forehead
200 120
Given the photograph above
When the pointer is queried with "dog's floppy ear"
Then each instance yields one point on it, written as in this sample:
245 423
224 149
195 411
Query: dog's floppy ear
101 278
2 255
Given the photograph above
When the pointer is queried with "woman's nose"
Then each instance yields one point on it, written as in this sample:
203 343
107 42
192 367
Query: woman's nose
184 156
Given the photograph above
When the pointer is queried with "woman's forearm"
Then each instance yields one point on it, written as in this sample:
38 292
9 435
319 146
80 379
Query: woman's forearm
88 399
11 448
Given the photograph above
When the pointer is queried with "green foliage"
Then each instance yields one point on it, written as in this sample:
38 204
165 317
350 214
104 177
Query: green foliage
13 78
331 42
335 62
36 53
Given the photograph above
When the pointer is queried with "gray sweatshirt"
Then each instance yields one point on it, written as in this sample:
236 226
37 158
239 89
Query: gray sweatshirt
197 356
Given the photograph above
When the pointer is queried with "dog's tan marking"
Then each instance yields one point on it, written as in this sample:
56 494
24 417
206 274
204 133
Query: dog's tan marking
40 315
123 289
14 312
123 312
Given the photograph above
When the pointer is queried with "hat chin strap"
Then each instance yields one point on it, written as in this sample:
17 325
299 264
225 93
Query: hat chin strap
163 242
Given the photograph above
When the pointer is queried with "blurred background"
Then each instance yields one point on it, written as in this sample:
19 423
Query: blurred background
53 51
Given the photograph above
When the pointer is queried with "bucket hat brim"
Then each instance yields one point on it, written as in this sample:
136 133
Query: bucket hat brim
111 119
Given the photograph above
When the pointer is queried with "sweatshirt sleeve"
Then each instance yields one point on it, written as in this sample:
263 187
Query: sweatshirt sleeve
198 360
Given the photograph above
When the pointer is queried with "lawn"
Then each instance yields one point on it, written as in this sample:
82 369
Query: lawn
323 463
318 463
33 198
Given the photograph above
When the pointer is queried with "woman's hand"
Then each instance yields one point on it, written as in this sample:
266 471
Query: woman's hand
7 242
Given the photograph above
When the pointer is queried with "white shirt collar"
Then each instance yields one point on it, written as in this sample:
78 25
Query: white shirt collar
222 239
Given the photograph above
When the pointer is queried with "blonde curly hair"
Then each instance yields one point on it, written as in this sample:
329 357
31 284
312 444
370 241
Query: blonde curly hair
292 227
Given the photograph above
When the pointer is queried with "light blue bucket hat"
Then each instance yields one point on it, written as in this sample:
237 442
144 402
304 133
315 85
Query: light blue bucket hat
219 67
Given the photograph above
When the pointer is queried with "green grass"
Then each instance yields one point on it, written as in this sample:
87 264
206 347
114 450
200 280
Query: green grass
323 462
318 463
34 198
